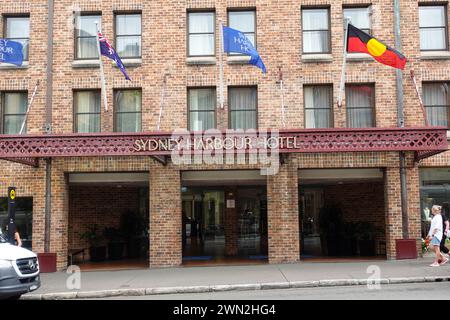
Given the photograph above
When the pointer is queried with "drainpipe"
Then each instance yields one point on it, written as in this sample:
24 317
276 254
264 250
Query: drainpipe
401 122
48 127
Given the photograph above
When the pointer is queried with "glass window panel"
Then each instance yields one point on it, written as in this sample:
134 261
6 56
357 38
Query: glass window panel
243 21
432 16
242 98
13 124
243 120
359 118
128 46
18 27
315 19
128 101
360 17
87 48
436 101
87 102
315 41
317 97
128 24
202 99
201 22
202 120
359 97
319 118
86 25
201 44
16 103
88 123
128 122
24 219
433 39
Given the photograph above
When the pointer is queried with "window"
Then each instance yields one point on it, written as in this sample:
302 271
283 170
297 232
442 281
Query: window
128 110
244 21
316 30
360 18
243 112
360 106
18 29
24 219
433 27
14 110
128 35
85 37
437 102
87 111
202 109
318 106
201 34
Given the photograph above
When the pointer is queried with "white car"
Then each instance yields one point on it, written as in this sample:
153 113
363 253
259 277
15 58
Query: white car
19 271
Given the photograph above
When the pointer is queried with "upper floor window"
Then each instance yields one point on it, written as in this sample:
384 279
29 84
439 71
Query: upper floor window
436 100
433 27
128 110
14 110
87 111
359 17
245 22
202 109
18 29
128 35
318 106
243 110
360 103
85 37
316 31
201 34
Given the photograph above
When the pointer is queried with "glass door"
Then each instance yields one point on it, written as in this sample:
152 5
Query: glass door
311 202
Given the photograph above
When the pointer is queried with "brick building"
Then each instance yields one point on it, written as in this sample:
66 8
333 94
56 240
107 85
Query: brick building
171 52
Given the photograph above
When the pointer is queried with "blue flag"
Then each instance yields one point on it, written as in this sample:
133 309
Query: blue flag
11 52
108 51
236 41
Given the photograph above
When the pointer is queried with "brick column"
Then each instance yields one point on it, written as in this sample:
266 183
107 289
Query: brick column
165 216
415 221
231 224
282 215
393 208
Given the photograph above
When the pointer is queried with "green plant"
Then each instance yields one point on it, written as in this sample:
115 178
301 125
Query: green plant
93 236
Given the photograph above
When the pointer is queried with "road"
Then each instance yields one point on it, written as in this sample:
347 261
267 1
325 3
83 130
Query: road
386 292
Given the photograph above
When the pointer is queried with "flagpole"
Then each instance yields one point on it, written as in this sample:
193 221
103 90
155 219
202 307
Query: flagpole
102 73
221 50
344 63
413 78
29 108
283 111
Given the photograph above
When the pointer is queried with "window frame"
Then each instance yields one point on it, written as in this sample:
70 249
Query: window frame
437 4
372 106
115 106
359 6
5 30
189 106
75 47
230 111
328 9
3 110
331 109
75 105
188 33
255 33
116 36
438 106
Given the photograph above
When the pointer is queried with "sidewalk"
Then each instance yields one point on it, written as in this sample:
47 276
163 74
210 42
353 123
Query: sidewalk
100 284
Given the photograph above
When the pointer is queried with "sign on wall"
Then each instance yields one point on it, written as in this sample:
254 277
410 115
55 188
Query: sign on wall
11 52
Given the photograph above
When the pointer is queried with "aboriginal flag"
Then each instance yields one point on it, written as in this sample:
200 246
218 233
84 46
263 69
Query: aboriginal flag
359 41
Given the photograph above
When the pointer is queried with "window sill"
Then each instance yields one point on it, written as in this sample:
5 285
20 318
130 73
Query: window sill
435 55
238 59
9 66
86 63
201 60
317 57
358 57
130 62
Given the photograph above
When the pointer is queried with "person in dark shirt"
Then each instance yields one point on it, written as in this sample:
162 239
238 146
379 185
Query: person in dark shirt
445 213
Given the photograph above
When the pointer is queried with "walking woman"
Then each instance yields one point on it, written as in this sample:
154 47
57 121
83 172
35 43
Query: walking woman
436 234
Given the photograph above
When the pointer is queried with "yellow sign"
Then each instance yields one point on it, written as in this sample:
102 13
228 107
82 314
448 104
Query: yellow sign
12 194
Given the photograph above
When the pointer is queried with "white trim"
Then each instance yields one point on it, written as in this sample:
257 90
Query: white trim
321 57
434 55
7 66
201 60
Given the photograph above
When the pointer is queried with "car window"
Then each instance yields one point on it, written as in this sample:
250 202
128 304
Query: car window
2 240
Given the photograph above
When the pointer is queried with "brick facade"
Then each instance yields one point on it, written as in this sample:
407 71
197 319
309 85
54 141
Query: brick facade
279 41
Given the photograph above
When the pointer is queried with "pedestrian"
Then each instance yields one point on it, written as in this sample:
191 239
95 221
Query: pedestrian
17 240
445 212
436 234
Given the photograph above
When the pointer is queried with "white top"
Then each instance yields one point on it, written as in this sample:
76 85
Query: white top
436 223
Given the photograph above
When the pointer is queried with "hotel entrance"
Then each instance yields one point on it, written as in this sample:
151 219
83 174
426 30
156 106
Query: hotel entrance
222 222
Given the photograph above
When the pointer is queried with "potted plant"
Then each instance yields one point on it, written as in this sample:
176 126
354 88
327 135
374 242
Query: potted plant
97 251
116 243
366 234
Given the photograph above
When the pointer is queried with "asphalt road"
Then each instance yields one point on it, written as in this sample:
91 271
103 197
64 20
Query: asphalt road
386 292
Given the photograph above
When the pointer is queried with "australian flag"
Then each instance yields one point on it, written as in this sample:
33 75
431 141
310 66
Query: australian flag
108 51
236 41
